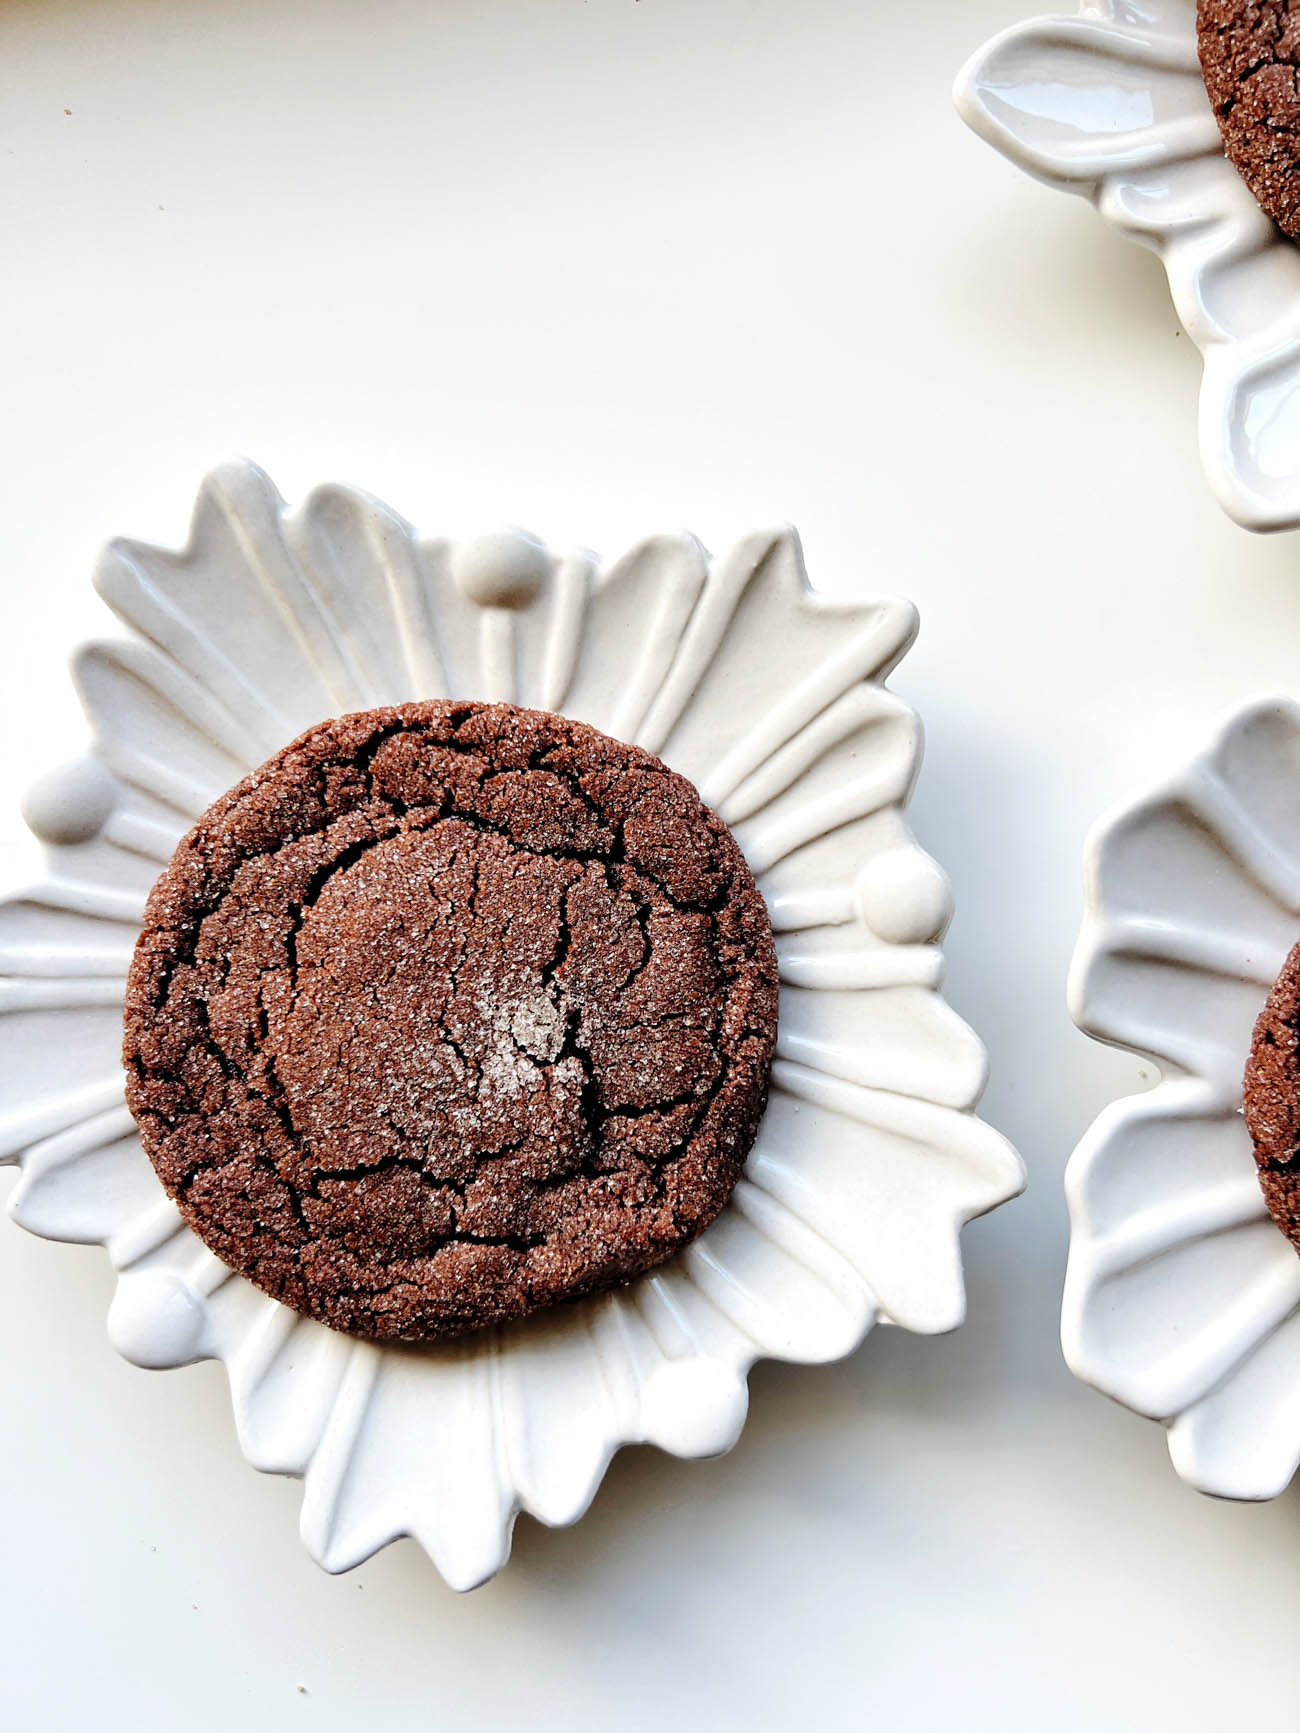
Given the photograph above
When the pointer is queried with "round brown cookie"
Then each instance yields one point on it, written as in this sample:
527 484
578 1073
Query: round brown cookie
1250 60
1272 1098
450 1012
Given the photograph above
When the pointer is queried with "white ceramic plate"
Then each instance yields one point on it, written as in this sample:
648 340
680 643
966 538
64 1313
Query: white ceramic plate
1182 1298
869 1158
1110 104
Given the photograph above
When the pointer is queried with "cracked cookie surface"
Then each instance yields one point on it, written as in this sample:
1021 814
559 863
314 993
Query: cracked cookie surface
450 1012
1271 1098
1250 60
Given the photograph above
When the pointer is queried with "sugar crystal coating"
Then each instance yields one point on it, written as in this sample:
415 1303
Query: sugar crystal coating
1271 1098
448 1013
1250 60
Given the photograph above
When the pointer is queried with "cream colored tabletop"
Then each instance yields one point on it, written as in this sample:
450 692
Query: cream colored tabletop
602 268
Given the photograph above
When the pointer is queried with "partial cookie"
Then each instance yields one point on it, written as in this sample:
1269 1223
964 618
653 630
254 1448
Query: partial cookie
448 1013
1272 1098
1250 59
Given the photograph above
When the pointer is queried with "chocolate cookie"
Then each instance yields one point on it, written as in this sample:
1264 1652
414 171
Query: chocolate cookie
1272 1098
450 1012
1250 59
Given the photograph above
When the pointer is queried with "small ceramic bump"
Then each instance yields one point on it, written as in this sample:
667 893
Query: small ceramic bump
904 896
70 803
665 1361
155 1321
503 570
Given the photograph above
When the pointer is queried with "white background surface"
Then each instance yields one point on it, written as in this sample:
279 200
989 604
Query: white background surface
602 268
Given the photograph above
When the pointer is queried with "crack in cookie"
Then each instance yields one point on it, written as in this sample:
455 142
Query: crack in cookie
448 1013
1250 61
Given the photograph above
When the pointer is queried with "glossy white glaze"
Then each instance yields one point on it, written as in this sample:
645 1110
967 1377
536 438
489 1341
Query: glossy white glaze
1182 1298
869 1158
1110 104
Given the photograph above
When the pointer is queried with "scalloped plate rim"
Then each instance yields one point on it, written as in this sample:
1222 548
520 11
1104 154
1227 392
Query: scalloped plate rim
736 1365
1228 362
1174 1087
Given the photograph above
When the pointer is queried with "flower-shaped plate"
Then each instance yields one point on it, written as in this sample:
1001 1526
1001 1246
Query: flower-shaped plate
1110 104
772 700
1182 1297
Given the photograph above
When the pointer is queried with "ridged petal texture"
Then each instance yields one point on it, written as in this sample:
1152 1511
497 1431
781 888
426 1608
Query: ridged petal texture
1111 104
772 701
1182 1298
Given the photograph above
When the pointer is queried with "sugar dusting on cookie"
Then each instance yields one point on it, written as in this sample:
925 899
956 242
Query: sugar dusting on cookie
451 1012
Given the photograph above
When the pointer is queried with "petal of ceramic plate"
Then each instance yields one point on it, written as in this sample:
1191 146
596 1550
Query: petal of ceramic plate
869 1159
1111 105
1182 1297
